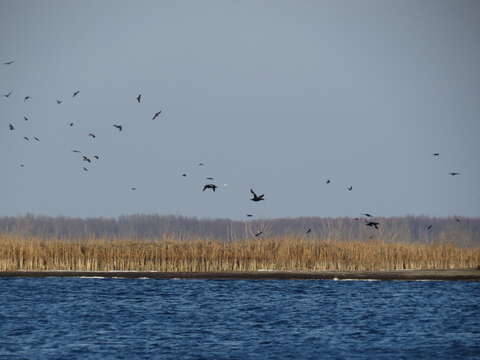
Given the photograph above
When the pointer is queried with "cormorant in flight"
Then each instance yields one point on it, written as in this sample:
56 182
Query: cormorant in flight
139 98
367 215
76 151
11 127
9 62
256 197
436 154
26 138
8 95
372 224
350 188
25 118
156 114
36 138
308 231
249 215
328 181
76 93
119 127
26 98
59 101
92 135
86 159
454 173
258 233
71 124
429 227
210 186
85 169
96 157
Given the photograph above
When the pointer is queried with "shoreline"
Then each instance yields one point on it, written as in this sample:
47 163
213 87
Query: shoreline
446 275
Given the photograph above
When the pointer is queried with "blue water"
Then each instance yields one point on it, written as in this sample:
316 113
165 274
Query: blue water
81 318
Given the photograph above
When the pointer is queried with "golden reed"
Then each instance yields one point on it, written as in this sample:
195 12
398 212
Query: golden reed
204 255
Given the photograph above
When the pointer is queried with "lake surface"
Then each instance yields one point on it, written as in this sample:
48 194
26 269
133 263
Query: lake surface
96 318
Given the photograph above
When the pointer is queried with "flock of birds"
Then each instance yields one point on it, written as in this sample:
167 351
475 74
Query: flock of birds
369 222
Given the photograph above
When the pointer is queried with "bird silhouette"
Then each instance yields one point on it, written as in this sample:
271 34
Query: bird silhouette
9 62
457 220
210 186
85 169
350 188
328 181
308 231
96 157
436 154
76 93
249 215
71 124
256 197
429 227
59 101
156 115
258 233
184 175
8 95
134 188
367 215
201 164
119 127
92 135
209 178
22 165
11 127
36 138
139 98
26 98
26 138
372 224
76 151
86 159
454 173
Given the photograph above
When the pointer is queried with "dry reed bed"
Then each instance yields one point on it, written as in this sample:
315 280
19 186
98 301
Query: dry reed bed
203 255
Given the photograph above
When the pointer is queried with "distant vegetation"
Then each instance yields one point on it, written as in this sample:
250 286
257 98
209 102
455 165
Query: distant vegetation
416 229
203 255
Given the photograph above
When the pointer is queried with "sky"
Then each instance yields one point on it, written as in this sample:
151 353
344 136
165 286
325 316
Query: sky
278 96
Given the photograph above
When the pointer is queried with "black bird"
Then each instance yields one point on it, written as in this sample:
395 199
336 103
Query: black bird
25 118
139 98
429 227
201 164
36 138
21 165
209 178
436 154
85 169
59 101
249 215
76 93
156 115
256 197
184 175
26 98
26 138
308 231
71 124
134 188
9 62
210 186
11 127
119 127
76 151
8 95
96 157
350 188
328 181
367 215
86 159
457 220
372 224
92 135
454 173
258 233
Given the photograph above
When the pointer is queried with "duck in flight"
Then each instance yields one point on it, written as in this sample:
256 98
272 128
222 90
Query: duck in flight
156 114
350 188
92 135
258 233
26 98
25 118
139 98
8 95
76 93
71 124
210 186
119 127
367 215
372 224
328 181
429 227
436 154
96 157
26 138
308 231
11 127
86 159
9 62
256 197
453 173
36 138
249 215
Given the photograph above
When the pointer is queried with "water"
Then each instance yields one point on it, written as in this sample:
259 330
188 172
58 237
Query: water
81 318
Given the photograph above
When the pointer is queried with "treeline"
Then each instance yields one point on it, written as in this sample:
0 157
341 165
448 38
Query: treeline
458 230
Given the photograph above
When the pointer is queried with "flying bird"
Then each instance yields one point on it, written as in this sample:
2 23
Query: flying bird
11 127
429 227
201 164
457 220
372 224
256 197
86 159
71 124
26 98
139 98
8 95
156 115
92 135
26 138
59 101
25 118
85 169
119 127
258 233
96 157
454 173
367 215
76 93
184 175
249 215
210 186
328 181
36 138
9 62
209 178
76 151
436 154
133 188
308 231
350 188
21 165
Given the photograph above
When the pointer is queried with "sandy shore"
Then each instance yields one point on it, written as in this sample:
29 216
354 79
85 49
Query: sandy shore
466 275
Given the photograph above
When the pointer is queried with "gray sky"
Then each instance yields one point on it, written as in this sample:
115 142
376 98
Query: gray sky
275 95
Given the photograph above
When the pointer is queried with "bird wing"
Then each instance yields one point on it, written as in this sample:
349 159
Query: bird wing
253 193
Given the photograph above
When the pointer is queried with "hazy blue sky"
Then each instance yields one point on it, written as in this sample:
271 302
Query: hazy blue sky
275 95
